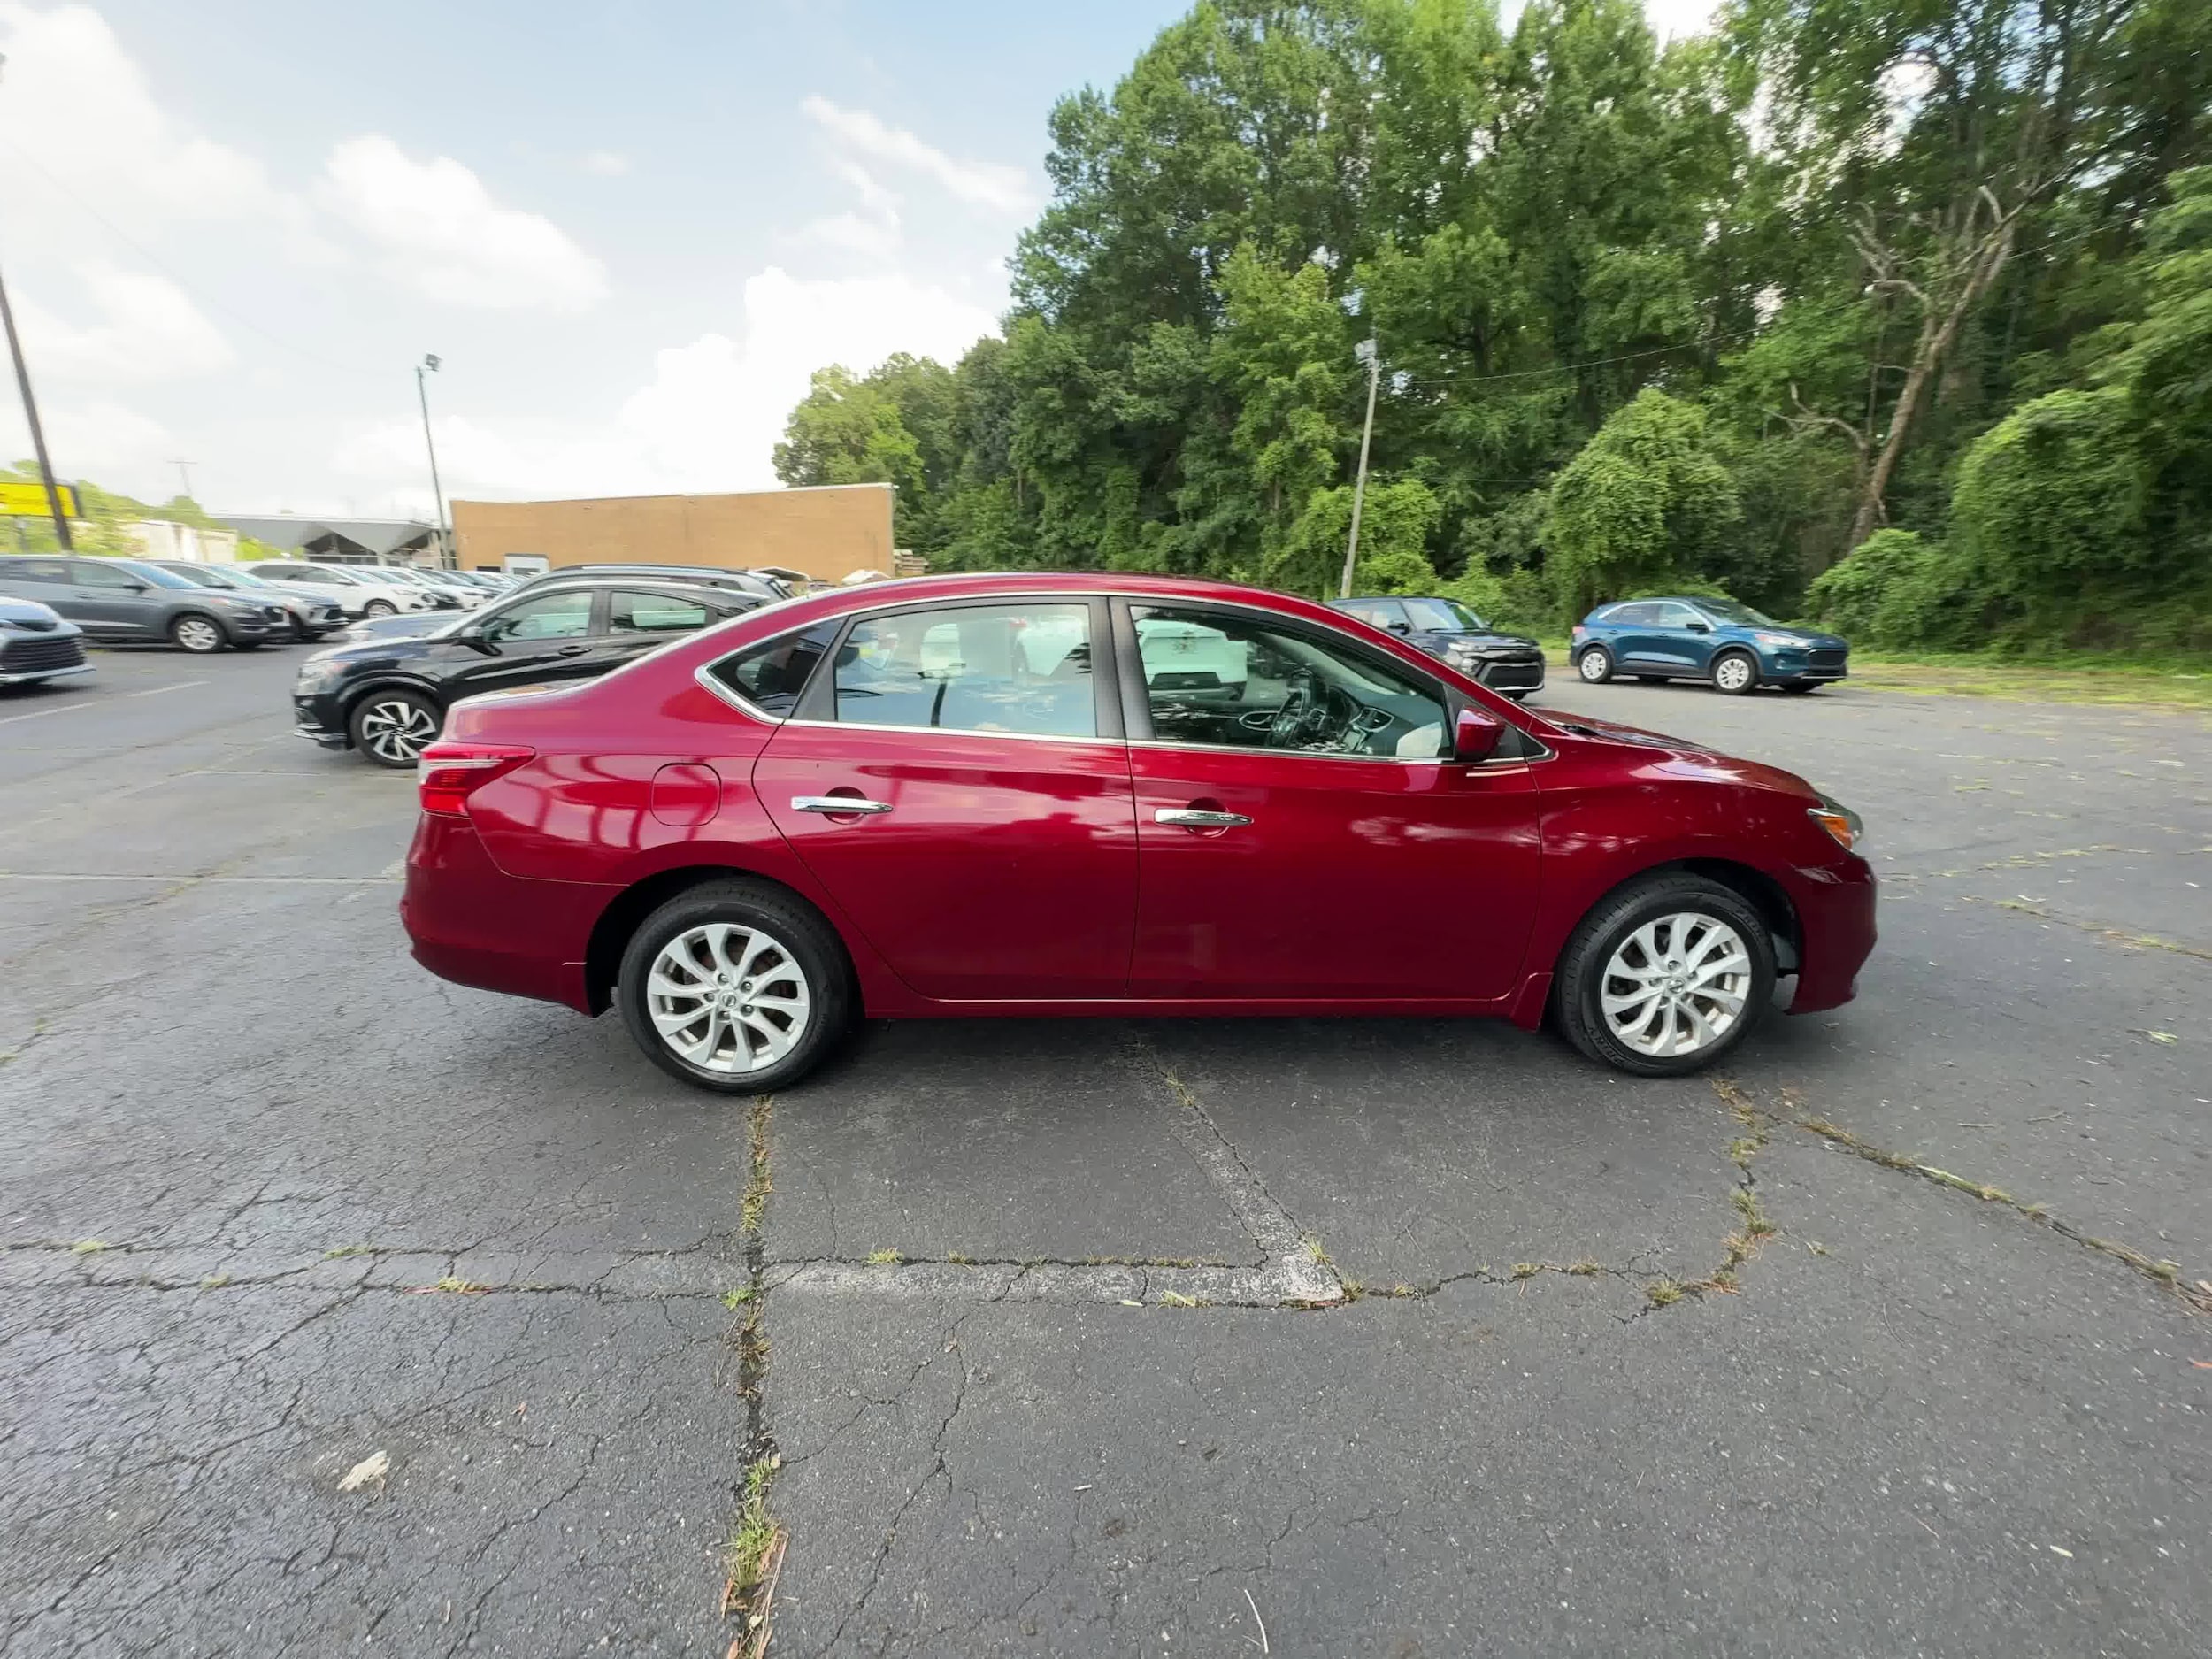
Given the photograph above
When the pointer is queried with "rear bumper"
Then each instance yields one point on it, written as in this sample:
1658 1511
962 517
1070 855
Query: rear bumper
1835 913
472 922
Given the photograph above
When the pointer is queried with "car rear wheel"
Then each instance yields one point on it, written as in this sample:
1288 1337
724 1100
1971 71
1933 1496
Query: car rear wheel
1736 674
393 728
736 986
379 608
1665 977
1595 665
197 634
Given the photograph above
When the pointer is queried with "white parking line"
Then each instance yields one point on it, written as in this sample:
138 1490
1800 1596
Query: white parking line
67 707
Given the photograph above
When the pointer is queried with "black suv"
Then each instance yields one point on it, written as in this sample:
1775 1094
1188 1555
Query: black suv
130 599
1512 664
387 697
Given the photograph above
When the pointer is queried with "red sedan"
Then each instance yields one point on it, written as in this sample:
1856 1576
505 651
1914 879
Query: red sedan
1057 794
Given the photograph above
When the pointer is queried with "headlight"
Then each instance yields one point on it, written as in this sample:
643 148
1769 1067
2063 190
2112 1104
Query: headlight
1788 641
1839 821
314 675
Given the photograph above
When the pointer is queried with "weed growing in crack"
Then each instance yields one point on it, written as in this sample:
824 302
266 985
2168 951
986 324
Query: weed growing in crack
884 1258
87 1247
1664 1293
344 1250
737 1297
1583 1269
1314 1252
755 1550
215 1281
745 1556
959 1258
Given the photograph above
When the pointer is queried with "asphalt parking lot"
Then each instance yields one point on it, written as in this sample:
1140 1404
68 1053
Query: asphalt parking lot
1889 1342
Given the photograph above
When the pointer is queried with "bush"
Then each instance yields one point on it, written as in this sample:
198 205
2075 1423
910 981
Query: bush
1899 591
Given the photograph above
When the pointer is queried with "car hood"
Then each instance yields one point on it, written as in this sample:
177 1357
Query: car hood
30 614
1751 772
407 648
1480 640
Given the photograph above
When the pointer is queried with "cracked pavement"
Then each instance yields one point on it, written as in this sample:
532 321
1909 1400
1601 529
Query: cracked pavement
1405 1337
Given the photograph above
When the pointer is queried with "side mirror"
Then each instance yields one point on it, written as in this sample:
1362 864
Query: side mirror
1699 628
1475 735
472 633
1399 627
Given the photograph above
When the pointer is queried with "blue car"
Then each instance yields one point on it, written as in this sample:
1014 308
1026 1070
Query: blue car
1718 639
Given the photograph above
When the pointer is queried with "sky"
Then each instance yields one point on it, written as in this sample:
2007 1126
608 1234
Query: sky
629 233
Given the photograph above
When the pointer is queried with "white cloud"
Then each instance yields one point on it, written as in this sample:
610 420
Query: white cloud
711 416
985 183
103 440
149 330
443 234
604 164
875 235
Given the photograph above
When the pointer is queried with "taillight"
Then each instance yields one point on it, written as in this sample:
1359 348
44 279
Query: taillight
448 773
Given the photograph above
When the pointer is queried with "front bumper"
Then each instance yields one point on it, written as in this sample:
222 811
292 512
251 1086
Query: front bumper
1515 674
1835 915
319 720
36 676
1816 668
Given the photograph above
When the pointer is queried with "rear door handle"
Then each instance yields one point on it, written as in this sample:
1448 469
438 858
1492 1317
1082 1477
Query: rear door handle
572 650
1193 818
858 806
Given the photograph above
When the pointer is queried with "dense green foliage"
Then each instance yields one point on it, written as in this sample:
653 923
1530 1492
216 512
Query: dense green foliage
1929 278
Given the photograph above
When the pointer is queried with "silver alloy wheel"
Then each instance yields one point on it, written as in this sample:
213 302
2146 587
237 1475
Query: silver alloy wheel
1677 985
1732 672
398 730
727 997
197 633
379 608
1594 665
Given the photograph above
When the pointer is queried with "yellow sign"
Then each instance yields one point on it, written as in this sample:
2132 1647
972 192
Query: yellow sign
28 501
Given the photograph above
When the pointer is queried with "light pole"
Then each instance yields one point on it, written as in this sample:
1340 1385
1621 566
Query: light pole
1367 353
445 540
30 418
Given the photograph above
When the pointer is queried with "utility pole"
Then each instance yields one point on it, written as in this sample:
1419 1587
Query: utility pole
183 472
1367 353
446 560
38 433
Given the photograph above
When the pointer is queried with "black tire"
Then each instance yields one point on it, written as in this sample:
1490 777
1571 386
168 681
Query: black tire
196 632
802 939
392 726
1735 673
1595 665
379 608
1799 687
1579 978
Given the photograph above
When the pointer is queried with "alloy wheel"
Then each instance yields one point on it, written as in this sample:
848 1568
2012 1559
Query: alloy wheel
397 730
197 634
729 998
1595 666
1732 673
1677 985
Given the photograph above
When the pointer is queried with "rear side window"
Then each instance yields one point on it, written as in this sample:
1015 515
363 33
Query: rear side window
770 675
630 612
34 570
1630 616
1379 613
1017 668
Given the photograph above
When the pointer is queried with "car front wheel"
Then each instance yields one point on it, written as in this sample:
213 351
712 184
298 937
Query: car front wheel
1736 674
736 986
379 608
393 728
1595 665
1665 977
198 635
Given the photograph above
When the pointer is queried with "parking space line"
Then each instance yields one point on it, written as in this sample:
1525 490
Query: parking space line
153 691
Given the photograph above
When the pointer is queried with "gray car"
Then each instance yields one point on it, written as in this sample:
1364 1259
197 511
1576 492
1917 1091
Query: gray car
123 600
312 614
37 644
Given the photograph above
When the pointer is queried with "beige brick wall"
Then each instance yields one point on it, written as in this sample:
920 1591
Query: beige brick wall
828 533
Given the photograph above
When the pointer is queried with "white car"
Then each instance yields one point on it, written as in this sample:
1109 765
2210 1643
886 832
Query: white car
353 585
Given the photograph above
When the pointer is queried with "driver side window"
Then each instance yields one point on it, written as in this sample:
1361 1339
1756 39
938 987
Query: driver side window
554 616
1223 679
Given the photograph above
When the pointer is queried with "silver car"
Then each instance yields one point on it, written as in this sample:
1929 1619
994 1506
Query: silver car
38 643
312 613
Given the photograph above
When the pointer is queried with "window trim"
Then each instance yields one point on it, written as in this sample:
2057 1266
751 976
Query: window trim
704 676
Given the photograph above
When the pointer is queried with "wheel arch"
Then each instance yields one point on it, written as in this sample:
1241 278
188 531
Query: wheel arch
628 908
1749 883
355 695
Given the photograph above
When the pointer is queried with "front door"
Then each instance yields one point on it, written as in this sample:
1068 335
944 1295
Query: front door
989 850
113 601
1303 832
531 642
1685 640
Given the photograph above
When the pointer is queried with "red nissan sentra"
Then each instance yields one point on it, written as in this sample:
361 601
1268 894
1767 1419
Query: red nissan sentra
1103 794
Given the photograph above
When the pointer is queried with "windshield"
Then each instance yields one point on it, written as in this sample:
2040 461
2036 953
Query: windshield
1448 615
207 576
1729 610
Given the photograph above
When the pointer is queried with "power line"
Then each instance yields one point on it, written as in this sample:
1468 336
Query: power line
174 275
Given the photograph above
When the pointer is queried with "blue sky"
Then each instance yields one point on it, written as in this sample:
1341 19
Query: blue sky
629 230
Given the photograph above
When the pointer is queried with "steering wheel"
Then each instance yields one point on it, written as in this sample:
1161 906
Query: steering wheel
1299 707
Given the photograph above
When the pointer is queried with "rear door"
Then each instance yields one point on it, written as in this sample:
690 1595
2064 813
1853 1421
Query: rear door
989 850
1309 836
1636 642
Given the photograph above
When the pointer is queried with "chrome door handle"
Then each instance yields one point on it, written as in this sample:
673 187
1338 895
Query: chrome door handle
852 803
1191 817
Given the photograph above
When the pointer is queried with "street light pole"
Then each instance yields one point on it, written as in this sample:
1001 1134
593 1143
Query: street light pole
1367 353
30 418
446 560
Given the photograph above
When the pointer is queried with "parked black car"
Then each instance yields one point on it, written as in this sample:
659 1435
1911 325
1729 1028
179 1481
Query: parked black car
130 599
387 697
1512 664
310 616
36 644
741 581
